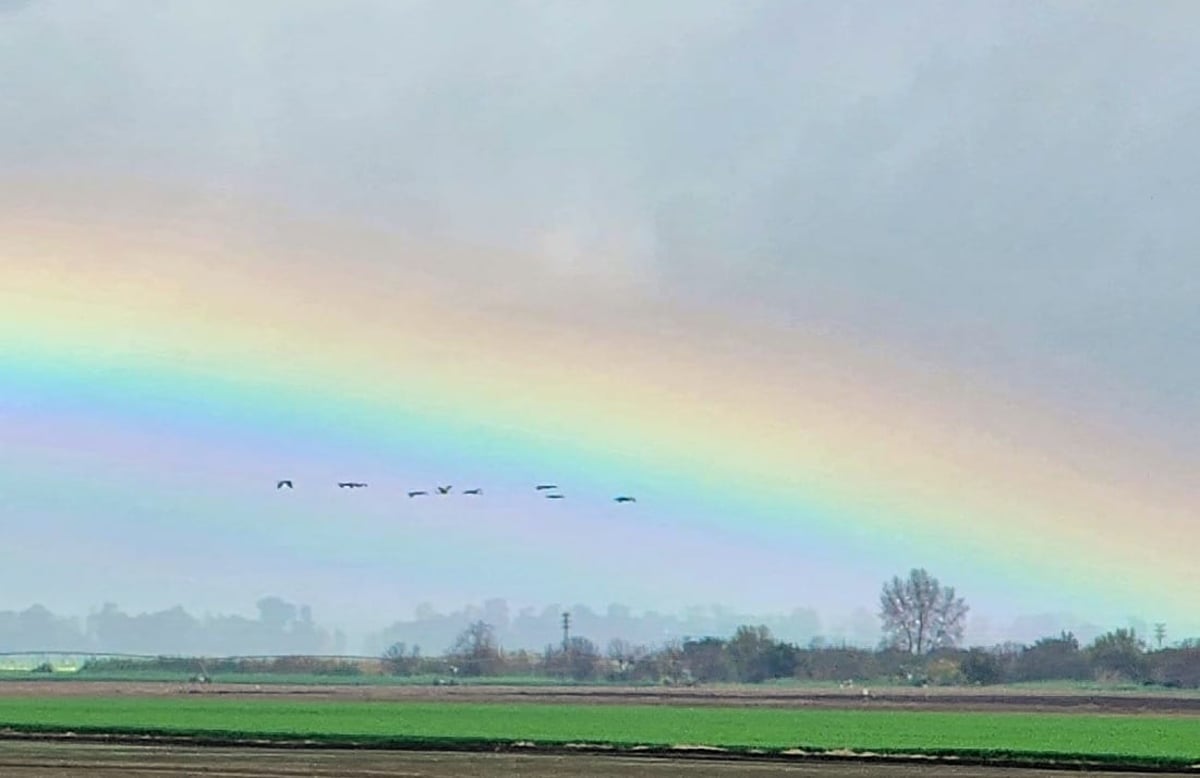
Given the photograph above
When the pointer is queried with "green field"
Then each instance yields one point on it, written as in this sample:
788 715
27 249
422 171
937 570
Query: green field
1141 739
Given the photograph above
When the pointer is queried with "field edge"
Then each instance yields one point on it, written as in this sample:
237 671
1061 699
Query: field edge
959 757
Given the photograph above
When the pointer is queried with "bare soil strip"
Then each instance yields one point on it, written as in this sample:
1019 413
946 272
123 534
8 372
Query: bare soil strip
736 696
28 759
679 754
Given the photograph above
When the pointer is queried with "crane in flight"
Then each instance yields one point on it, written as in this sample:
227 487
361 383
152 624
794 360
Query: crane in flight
556 496
624 498
444 489
350 485
417 493
473 491
545 487
283 483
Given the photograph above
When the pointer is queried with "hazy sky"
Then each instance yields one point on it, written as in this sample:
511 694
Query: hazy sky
1009 188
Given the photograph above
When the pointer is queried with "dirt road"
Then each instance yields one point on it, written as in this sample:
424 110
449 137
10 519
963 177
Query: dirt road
59 760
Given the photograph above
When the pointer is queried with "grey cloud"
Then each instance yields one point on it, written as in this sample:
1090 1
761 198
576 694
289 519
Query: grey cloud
1010 185
11 6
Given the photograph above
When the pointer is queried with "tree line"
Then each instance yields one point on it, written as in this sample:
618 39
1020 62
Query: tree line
922 623
920 620
753 655
530 627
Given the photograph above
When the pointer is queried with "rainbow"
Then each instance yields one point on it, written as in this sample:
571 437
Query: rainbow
197 363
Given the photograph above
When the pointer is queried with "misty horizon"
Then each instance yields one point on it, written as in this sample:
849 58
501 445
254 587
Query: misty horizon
280 627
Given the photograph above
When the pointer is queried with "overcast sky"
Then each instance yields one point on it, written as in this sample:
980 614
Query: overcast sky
1010 185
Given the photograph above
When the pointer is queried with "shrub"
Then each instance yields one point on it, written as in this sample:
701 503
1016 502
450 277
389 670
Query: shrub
981 667
943 672
1176 667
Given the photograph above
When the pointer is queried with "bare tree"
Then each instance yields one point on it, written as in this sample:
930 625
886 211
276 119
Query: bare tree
476 649
920 615
582 658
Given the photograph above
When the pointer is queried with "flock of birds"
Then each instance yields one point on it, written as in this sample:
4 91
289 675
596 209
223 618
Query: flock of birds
549 491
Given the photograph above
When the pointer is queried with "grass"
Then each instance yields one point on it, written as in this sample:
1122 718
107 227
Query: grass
304 679
1134 740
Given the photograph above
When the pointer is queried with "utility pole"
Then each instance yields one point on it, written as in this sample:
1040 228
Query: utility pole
1160 633
566 621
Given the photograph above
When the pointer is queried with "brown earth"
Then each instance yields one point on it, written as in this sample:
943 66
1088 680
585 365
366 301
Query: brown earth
56 760
902 698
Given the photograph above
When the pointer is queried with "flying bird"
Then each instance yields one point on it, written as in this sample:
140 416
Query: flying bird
544 487
417 494
444 489
555 496
350 485
472 491
624 498
281 484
